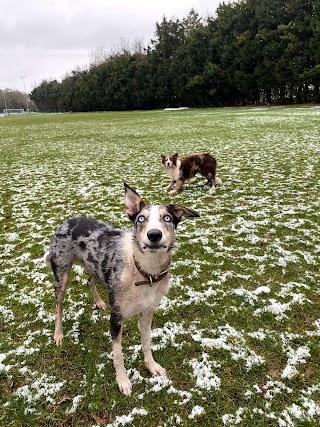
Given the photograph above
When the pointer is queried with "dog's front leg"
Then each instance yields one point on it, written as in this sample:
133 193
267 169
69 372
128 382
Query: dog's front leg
123 381
145 320
60 287
178 185
171 185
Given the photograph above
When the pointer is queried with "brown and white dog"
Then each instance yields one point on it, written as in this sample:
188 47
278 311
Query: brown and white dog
181 169
132 265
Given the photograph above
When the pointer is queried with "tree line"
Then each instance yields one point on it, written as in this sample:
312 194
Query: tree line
249 52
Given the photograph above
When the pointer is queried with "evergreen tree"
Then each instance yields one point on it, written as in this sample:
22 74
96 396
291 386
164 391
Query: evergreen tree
251 51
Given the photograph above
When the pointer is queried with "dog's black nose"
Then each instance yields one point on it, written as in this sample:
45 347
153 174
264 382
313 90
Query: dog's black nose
154 235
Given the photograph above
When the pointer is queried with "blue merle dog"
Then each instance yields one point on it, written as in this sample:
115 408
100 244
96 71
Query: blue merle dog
132 266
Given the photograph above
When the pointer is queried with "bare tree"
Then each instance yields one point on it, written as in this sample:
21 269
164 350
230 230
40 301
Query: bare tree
14 99
138 46
99 55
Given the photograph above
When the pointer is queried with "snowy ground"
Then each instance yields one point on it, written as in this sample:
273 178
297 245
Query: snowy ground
239 331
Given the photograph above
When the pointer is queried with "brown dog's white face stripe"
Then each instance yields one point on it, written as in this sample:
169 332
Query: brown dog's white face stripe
169 162
154 228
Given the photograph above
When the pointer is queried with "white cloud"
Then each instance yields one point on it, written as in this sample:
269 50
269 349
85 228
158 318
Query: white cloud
45 39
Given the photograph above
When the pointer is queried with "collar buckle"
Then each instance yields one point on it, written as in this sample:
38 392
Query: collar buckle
150 279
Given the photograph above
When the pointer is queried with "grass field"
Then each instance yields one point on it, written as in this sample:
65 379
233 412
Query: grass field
239 330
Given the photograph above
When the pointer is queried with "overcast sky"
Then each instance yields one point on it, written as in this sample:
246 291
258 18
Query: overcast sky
45 39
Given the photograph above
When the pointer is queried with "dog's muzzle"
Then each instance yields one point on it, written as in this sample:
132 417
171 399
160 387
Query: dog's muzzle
154 235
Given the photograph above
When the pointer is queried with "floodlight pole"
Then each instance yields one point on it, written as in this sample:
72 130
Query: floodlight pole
25 92
5 100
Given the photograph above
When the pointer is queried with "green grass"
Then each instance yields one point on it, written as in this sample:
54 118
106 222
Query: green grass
239 330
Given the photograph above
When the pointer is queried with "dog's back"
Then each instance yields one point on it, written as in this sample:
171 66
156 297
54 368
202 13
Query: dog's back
90 241
202 163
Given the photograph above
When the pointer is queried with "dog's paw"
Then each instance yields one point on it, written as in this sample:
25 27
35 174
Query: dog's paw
58 338
156 369
173 191
124 385
100 305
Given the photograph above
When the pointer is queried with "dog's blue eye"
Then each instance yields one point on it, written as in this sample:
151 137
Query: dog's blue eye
141 218
167 218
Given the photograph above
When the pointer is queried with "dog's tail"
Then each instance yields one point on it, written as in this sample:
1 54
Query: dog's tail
217 181
47 259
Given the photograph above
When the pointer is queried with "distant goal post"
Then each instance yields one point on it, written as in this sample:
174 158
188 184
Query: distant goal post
8 111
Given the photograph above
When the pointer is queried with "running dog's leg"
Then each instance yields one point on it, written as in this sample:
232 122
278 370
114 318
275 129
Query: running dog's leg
123 381
171 185
145 320
101 305
211 181
178 185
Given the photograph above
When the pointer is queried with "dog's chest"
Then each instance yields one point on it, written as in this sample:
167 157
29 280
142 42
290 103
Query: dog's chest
143 298
174 173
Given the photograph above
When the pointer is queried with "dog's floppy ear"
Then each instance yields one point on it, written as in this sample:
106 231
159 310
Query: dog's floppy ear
178 211
133 202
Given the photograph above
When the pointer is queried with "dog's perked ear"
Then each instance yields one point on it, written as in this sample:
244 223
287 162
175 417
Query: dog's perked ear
178 211
133 202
